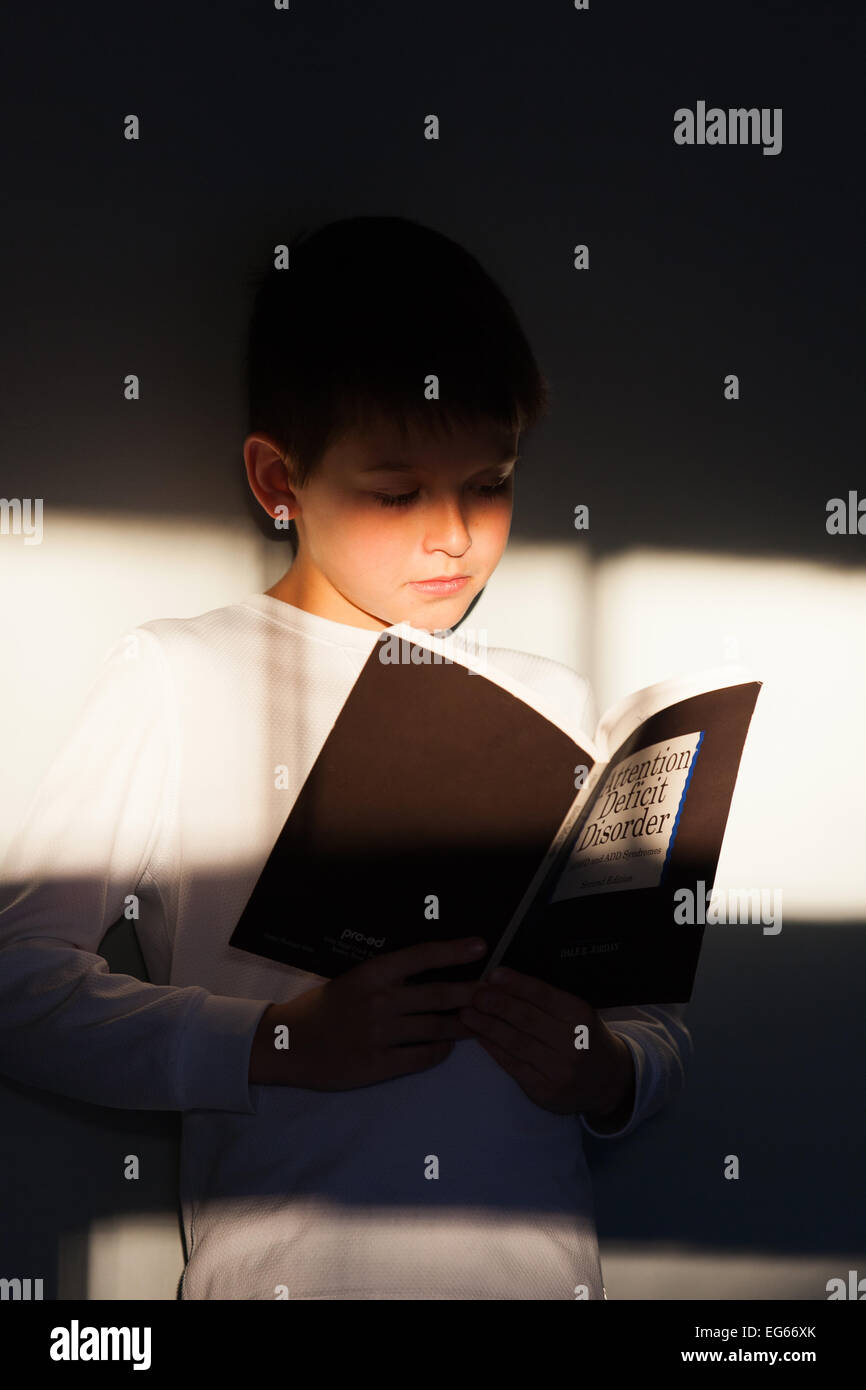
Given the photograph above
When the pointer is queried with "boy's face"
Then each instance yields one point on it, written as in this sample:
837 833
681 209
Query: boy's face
361 554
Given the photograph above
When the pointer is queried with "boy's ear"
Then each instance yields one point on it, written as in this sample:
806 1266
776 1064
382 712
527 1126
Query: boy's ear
267 472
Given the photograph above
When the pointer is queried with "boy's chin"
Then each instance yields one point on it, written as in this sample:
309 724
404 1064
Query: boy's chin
429 615
438 618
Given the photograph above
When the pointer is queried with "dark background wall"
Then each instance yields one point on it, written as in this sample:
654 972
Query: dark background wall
556 129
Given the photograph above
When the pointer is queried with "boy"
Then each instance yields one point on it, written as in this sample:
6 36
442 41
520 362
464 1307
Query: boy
415 1141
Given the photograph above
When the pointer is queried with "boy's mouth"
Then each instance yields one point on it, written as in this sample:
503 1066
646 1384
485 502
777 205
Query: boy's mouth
441 585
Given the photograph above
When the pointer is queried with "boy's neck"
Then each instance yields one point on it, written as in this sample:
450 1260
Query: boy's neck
313 594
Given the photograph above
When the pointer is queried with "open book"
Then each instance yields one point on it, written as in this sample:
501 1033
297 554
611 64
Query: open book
450 800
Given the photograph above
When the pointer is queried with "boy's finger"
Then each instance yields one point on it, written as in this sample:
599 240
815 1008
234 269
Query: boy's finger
556 1003
416 999
392 967
426 1028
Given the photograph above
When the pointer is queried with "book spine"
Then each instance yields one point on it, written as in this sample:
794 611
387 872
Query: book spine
548 869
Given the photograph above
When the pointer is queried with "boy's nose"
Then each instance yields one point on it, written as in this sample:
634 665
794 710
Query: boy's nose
446 524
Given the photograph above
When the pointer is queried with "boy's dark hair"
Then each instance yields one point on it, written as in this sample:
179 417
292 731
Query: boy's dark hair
367 308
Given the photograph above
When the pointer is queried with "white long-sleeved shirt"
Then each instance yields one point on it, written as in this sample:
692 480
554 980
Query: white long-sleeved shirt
189 750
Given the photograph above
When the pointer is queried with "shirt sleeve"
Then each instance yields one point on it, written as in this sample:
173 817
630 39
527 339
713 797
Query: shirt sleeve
660 1045
67 1024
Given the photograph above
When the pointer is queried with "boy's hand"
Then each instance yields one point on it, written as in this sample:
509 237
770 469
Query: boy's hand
528 1027
348 1032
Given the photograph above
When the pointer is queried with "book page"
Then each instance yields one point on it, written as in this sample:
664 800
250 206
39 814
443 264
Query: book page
622 718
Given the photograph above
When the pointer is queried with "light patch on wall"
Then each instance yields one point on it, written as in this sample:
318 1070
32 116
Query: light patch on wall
65 601
798 813
624 622
540 599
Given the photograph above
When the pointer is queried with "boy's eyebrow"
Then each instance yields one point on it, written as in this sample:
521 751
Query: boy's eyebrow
388 466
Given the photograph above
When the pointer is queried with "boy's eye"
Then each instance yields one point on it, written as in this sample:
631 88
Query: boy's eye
388 499
402 499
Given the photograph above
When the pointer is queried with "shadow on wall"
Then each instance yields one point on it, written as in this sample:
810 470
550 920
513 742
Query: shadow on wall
777 1031
777 1024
